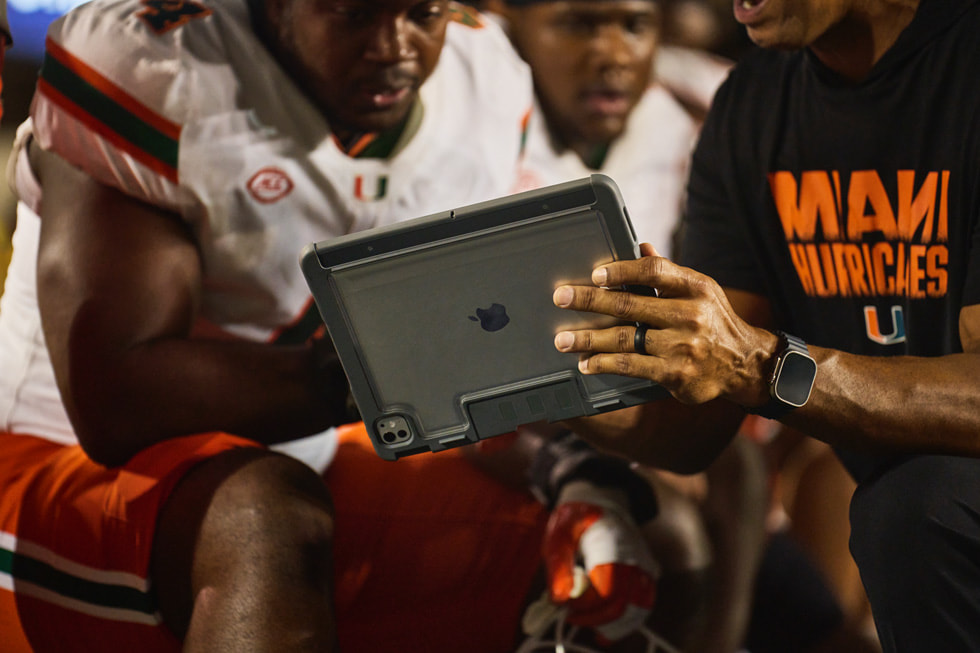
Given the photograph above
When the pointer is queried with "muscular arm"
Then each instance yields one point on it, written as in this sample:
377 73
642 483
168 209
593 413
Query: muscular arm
913 404
707 348
119 284
665 434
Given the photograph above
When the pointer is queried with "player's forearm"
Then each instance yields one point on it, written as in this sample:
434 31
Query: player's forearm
169 388
896 404
665 434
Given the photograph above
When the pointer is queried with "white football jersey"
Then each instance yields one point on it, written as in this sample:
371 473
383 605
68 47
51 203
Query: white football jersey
179 104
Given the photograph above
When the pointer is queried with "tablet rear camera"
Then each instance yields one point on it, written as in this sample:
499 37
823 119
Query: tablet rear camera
393 430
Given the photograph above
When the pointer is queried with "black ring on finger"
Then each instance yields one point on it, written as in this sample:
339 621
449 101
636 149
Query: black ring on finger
640 339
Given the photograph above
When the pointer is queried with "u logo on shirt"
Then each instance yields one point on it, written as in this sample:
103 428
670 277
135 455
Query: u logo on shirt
872 326
380 188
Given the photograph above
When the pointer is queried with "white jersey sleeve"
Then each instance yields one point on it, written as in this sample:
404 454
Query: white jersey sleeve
115 91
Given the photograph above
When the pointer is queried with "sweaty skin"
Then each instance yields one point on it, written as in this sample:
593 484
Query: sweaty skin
127 319
709 347
361 62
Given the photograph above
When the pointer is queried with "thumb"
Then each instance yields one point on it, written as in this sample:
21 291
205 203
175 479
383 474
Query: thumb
646 249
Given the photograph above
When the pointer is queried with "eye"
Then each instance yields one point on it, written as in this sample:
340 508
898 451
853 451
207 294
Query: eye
353 12
576 25
641 25
427 13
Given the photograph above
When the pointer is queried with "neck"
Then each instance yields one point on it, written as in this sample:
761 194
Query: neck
383 144
854 45
591 153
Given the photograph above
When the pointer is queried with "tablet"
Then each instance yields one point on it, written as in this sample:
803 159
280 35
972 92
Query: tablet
445 325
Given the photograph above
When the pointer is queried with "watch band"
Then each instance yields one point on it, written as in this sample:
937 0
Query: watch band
792 378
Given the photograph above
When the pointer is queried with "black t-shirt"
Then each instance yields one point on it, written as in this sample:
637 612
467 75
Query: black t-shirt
854 208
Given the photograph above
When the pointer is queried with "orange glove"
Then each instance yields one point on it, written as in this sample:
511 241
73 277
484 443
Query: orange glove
598 562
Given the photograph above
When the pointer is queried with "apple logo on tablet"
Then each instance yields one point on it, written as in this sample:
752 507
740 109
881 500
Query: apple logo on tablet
494 318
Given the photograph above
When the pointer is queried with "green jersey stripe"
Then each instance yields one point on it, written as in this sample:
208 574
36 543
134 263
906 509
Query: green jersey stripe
22 568
145 140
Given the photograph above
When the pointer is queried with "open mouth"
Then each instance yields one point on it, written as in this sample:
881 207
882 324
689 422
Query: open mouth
387 89
386 97
747 10
607 102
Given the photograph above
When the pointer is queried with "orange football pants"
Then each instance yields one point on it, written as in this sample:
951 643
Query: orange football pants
75 543
430 554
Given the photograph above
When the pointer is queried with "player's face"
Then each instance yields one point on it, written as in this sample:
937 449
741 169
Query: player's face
591 60
361 61
789 24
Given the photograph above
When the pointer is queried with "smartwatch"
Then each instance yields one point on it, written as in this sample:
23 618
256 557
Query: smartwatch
792 378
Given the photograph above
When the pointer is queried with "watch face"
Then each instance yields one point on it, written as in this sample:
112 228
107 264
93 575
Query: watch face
795 379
